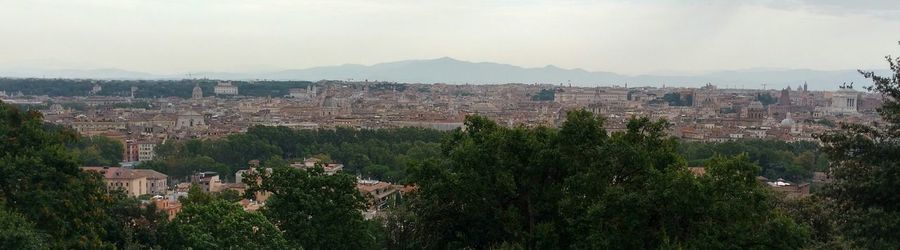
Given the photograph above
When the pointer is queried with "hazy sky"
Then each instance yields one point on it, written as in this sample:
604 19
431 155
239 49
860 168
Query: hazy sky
630 37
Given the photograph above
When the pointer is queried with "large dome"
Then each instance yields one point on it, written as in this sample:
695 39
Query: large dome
787 122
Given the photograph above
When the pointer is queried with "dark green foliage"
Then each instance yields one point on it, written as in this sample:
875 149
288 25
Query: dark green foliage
97 151
50 87
383 153
675 99
387 86
819 215
196 195
43 183
140 226
314 210
794 161
766 99
544 95
16 232
578 187
497 184
399 229
221 224
865 168
146 88
182 168
134 104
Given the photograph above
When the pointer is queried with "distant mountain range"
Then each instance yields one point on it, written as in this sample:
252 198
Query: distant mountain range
449 70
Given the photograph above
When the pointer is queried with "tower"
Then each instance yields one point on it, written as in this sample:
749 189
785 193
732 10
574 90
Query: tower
197 93
785 99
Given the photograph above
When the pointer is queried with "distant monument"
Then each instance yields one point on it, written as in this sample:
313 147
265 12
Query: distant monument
197 93
225 88
845 100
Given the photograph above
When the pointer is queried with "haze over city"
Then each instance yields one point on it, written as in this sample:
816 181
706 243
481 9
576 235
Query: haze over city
449 124
623 37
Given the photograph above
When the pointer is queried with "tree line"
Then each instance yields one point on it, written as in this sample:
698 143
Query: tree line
387 154
381 154
793 161
145 88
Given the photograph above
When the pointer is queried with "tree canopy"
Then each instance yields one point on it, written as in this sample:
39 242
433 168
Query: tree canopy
384 154
314 210
581 187
42 183
97 151
218 224
793 161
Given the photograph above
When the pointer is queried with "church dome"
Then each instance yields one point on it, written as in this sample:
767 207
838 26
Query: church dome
197 93
788 121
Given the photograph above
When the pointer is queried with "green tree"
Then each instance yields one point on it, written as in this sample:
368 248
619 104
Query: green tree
43 182
16 232
864 168
314 210
497 185
218 224
794 161
766 98
544 95
675 99
98 151
581 187
140 225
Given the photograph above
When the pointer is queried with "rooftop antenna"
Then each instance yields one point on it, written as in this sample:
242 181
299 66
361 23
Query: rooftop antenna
764 86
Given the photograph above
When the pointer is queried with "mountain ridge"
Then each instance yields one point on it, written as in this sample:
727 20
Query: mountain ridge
454 71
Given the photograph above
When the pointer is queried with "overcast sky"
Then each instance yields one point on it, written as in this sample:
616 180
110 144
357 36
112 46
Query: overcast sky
629 37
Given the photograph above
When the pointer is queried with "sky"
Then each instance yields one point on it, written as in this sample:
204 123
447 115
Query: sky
627 37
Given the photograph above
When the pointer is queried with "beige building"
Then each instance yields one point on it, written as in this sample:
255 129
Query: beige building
225 88
96 127
209 181
157 183
134 182
377 193
170 207
190 120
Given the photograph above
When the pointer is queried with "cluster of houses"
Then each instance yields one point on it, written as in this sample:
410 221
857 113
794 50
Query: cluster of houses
159 189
